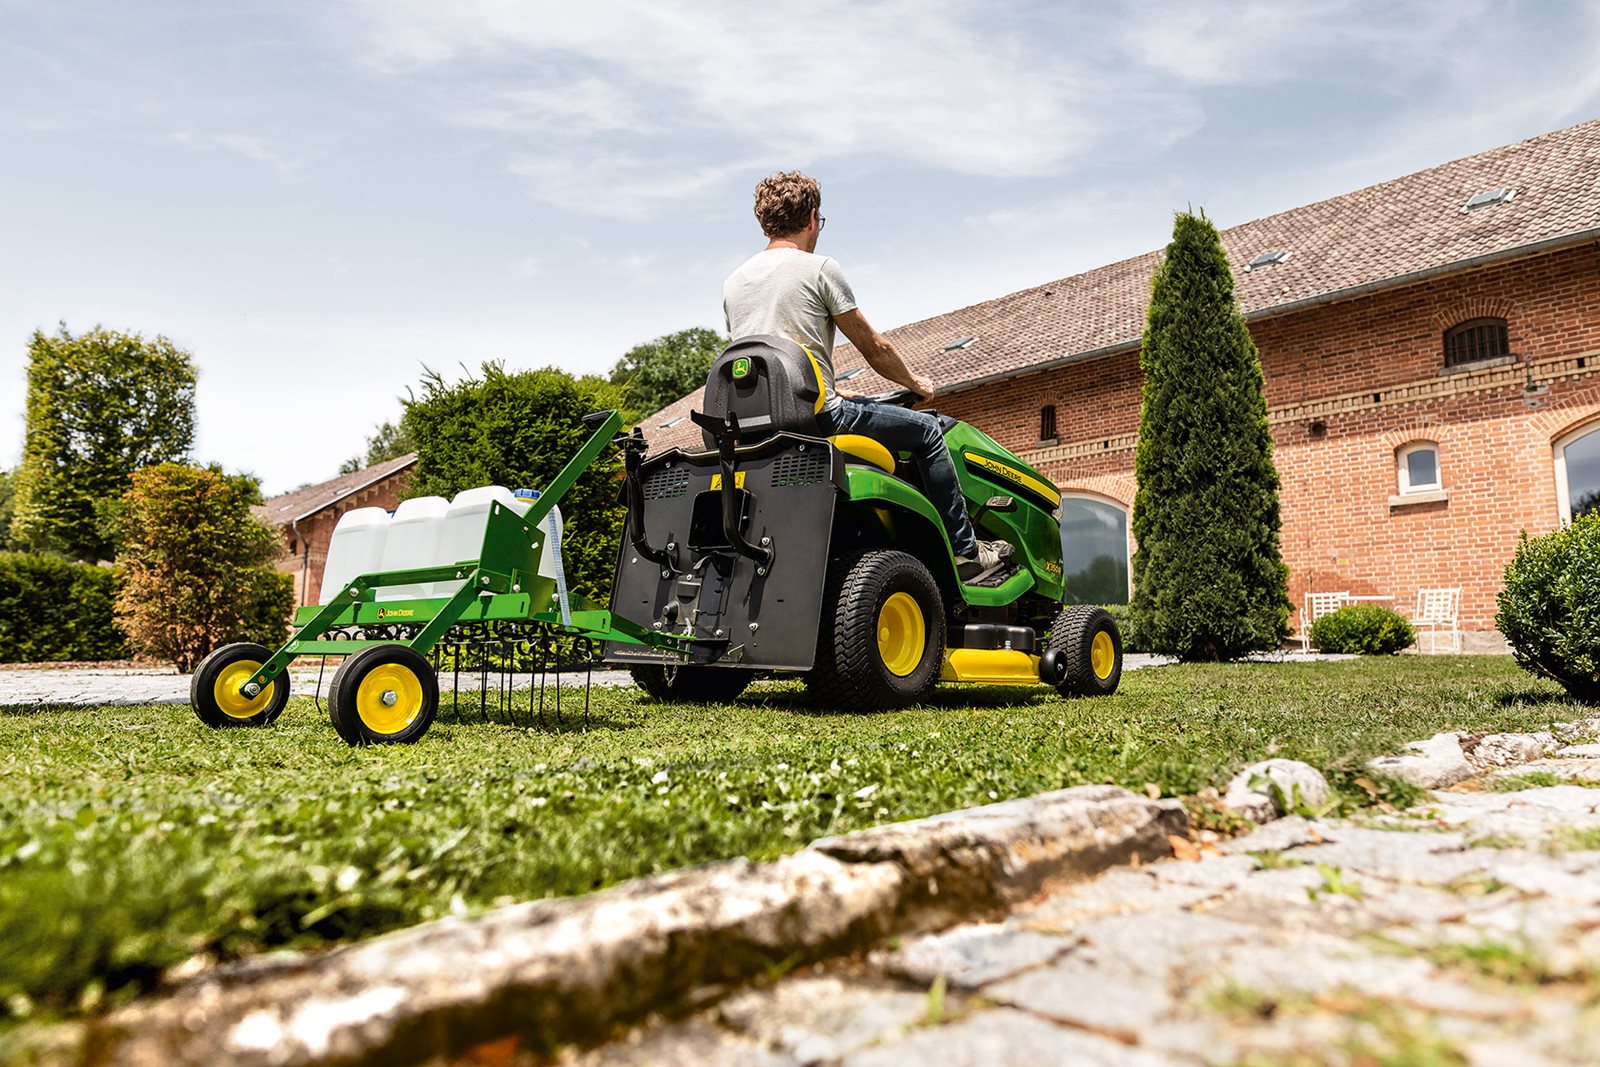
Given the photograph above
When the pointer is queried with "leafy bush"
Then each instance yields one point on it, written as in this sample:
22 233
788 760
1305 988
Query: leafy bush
520 429
1126 626
1550 606
1209 579
1362 629
53 610
197 566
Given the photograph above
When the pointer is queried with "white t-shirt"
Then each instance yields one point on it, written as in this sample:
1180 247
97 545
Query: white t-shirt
792 294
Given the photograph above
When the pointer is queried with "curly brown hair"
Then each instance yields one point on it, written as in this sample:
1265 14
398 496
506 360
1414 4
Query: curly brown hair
785 201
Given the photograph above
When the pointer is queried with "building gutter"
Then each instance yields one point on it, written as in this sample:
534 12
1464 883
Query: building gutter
1552 244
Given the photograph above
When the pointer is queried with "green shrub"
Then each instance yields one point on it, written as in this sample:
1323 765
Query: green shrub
1362 629
1125 625
1550 606
197 566
53 610
1209 580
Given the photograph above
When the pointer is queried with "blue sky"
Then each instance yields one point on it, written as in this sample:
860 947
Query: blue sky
316 199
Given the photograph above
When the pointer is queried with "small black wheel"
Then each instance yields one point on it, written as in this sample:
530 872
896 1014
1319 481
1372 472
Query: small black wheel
383 695
1089 647
214 691
881 639
690 684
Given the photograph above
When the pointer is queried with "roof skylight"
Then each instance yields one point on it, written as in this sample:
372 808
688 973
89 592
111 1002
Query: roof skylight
670 423
960 342
1490 197
1267 259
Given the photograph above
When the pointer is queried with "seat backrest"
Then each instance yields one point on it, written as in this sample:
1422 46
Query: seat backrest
1438 604
1320 604
771 383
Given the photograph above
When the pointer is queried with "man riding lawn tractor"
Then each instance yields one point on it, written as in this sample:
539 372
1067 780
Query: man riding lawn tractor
830 534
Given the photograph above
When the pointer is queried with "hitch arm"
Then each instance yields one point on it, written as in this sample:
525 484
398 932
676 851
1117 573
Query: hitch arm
726 432
633 449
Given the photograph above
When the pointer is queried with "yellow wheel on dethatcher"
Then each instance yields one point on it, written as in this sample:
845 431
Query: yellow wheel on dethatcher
216 692
386 694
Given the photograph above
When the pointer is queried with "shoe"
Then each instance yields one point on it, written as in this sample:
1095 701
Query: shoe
992 557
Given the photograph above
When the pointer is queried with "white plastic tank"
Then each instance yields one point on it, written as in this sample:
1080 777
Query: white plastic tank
461 536
547 555
356 548
413 541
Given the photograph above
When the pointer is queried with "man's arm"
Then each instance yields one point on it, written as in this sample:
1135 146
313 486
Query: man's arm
879 353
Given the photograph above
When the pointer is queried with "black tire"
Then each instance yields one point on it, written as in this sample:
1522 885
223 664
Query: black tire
1073 635
691 684
383 695
851 671
214 695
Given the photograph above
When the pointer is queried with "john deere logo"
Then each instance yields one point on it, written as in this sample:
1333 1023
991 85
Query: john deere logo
395 613
741 367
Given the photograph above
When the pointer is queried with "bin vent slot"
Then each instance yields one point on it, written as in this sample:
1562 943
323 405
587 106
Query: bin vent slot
667 483
801 468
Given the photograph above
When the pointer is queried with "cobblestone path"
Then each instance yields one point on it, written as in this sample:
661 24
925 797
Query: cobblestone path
1466 932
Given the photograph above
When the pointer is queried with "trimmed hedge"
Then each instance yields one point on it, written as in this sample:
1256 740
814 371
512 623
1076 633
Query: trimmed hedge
1362 629
1550 606
53 610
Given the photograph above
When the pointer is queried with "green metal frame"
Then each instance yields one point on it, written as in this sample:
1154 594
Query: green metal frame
503 583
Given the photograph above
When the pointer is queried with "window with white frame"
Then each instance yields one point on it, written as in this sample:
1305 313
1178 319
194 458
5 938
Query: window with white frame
1578 472
1094 550
1417 466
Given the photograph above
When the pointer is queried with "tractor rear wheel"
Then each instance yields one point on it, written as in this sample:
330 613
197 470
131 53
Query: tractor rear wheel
383 695
214 690
880 642
690 684
1089 645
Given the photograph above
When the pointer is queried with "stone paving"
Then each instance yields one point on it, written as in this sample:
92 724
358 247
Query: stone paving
1464 932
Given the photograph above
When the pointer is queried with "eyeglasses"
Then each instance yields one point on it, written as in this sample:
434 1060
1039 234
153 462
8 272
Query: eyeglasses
821 222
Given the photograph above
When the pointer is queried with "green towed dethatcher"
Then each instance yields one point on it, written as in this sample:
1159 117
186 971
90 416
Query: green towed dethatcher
387 689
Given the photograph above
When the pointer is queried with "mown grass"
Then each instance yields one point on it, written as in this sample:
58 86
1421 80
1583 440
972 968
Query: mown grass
134 839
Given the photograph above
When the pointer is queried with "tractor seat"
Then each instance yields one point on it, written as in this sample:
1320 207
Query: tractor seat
859 449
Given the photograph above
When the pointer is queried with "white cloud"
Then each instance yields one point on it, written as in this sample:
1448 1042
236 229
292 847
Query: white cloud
286 167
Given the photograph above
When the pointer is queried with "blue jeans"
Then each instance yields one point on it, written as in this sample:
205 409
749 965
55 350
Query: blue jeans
917 432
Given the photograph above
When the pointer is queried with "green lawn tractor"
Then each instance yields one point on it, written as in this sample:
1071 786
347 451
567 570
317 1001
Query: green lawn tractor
777 550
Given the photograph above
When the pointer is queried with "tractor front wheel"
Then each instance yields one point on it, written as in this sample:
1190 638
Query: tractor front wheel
881 639
1088 648
690 684
215 694
383 695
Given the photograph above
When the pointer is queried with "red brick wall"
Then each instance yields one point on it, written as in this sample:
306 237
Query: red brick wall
1369 370
306 559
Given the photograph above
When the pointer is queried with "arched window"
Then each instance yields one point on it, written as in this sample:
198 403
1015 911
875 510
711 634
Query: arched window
1094 550
1417 468
1475 341
1578 472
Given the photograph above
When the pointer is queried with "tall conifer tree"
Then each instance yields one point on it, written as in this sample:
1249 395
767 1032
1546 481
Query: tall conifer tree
1209 580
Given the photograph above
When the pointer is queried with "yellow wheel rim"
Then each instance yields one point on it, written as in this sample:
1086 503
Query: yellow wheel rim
1102 655
389 698
226 691
902 634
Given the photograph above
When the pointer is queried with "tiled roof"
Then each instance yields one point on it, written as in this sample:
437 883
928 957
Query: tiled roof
303 503
1382 236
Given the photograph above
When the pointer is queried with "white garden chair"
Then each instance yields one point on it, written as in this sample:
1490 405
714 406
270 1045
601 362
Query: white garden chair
1438 609
1318 605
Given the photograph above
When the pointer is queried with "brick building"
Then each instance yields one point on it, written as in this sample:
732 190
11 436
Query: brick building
1430 346
307 517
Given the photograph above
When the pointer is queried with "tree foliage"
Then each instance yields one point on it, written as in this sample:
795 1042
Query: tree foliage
1549 607
389 441
656 373
520 429
101 405
8 491
1209 580
52 610
197 566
